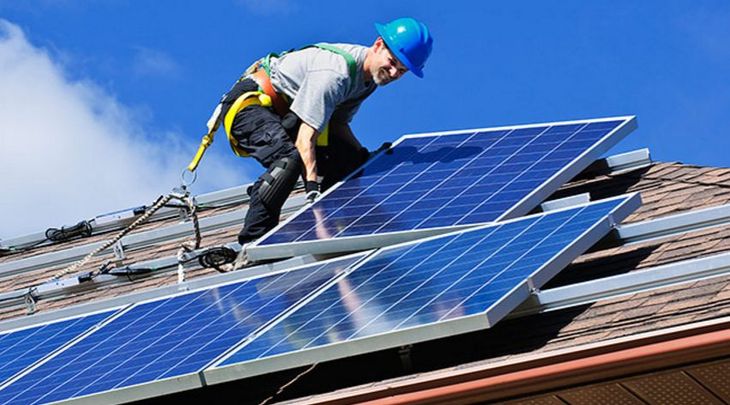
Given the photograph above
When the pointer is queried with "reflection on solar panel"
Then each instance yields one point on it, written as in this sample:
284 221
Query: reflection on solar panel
20 349
424 290
442 180
169 337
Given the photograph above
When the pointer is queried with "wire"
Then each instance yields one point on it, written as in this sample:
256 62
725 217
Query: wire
162 200
216 257
13 249
293 380
80 230
208 205
129 271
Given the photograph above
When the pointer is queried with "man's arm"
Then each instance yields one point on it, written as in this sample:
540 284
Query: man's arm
306 143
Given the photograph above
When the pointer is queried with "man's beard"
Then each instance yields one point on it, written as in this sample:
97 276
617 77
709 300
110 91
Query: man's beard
381 78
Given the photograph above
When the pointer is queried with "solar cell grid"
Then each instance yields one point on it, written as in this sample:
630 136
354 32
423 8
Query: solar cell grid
169 337
445 180
483 272
22 348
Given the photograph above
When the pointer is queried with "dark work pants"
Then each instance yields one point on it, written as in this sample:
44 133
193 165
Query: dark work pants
261 132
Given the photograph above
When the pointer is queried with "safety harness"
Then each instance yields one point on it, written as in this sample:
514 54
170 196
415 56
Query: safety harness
265 96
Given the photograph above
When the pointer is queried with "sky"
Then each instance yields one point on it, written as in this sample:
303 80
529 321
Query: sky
103 103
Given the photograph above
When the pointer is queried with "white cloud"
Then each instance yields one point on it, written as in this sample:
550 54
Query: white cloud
70 151
151 62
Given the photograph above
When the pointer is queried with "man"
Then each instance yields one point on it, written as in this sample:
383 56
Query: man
291 112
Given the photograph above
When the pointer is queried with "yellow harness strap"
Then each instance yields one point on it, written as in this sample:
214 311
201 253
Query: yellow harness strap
257 98
243 101
204 143
213 123
324 137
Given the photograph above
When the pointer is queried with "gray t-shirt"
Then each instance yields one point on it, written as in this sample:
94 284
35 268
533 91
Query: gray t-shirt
318 83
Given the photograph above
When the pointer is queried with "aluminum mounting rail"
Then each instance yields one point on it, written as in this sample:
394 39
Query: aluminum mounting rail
674 224
135 241
120 219
625 284
15 298
620 163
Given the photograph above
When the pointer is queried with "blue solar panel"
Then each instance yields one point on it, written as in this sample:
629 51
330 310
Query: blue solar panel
22 348
484 272
169 337
454 179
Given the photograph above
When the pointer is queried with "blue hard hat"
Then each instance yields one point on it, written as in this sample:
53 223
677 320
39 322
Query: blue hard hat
409 40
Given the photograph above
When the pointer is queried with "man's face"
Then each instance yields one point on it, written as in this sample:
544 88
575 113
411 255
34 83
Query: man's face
385 68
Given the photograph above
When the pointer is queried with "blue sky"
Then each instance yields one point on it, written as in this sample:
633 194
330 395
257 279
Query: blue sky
144 76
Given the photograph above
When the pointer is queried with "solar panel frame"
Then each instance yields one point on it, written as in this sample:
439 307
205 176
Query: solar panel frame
257 251
194 380
219 373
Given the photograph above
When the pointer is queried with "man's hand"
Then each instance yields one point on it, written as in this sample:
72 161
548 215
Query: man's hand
384 147
312 190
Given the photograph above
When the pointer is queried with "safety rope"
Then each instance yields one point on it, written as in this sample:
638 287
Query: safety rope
144 217
214 257
181 258
188 246
193 213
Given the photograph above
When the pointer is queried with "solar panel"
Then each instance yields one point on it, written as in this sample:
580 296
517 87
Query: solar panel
428 289
433 182
20 349
169 338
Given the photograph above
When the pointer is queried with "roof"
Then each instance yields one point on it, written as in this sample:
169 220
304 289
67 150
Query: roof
154 248
667 190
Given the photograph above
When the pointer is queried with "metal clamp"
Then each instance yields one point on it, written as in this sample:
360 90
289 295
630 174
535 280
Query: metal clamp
30 302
